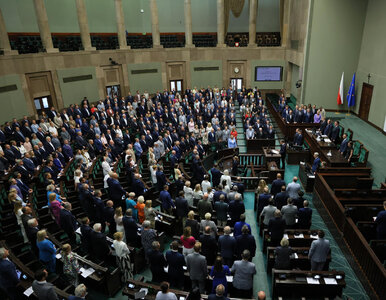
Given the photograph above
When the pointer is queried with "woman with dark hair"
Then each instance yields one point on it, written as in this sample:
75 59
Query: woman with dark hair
219 273
164 293
194 294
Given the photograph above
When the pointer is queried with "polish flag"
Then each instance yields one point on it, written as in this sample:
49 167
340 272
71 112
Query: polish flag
339 100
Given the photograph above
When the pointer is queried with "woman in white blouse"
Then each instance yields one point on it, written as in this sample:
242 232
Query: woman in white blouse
122 253
227 178
188 193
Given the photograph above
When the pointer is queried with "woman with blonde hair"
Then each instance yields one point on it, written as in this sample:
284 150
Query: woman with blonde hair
47 251
197 194
122 253
188 193
187 241
70 265
118 216
141 209
18 212
27 144
260 190
150 213
193 224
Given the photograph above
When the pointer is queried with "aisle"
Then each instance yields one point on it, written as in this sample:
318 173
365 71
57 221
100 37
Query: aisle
241 141
260 282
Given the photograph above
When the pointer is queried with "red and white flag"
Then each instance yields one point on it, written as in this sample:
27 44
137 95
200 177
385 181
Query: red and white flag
339 100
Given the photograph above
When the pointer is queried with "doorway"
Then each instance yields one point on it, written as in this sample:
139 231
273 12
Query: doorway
113 91
42 103
176 85
364 108
237 84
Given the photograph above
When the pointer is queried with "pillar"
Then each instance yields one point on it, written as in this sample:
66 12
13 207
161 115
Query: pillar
4 40
83 25
44 28
252 22
188 24
154 24
121 29
220 23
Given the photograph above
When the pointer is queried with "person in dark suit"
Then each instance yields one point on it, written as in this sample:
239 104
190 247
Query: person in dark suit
335 133
227 246
166 200
157 262
182 207
283 255
116 191
343 145
277 184
305 216
100 248
263 201
216 175
316 163
131 228
68 222
327 131
161 178
298 139
381 223
281 198
219 295
86 232
208 245
108 216
8 276
138 186
236 208
246 241
176 263
276 227
31 231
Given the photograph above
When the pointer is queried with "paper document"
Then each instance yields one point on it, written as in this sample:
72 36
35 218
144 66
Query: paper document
324 136
285 236
86 272
166 269
78 231
327 140
296 256
314 236
275 151
311 280
28 292
374 218
311 176
58 256
229 278
185 268
300 236
330 280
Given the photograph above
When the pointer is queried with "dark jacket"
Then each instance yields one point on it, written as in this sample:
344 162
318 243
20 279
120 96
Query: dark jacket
245 242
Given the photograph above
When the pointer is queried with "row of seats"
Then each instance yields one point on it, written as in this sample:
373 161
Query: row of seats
263 39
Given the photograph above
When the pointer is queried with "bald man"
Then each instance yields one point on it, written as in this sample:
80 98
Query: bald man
261 295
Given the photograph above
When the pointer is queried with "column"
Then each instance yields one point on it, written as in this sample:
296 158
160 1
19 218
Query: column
83 25
121 29
284 22
188 24
154 24
4 40
42 19
220 23
252 22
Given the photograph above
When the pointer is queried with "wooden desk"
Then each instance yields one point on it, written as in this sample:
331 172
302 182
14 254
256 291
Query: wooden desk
294 157
335 160
270 156
292 284
294 241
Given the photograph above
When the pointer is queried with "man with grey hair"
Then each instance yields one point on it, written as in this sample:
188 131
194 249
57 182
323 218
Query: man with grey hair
221 208
32 230
80 292
243 270
148 236
227 246
99 245
68 222
8 276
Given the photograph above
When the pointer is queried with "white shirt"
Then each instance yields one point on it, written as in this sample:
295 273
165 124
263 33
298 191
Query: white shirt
120 248
204 185
106 168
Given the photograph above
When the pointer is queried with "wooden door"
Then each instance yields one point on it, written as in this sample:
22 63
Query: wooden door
364 108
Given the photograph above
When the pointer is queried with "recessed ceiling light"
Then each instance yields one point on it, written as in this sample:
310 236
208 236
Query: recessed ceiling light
142 11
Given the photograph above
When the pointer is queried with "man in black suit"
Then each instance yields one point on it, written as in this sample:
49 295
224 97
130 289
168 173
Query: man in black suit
32 230
161 178
138 186
80 142
131 228
8 276
276 227
176 263
68 222
216 175
327 131
283 152
86 232
245 241
281 198
108 216
157 262
100 248
208 246
116 191
277 184
335 133
236 208
182 207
